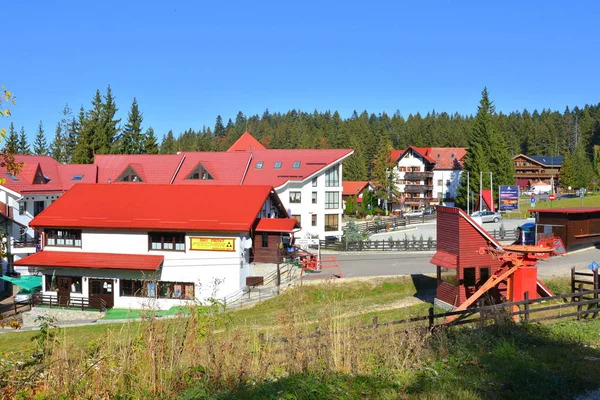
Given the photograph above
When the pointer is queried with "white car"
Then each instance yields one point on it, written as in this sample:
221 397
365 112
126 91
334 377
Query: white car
24 295
487 216
414 214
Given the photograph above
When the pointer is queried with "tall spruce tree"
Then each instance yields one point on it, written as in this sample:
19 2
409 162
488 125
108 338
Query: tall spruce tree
40 144
131 139
168 144
219 128
23 144
150 142
12 140
89 138
108 129
383 174
57 147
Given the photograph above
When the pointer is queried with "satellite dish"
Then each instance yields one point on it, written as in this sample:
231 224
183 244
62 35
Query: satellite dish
247 243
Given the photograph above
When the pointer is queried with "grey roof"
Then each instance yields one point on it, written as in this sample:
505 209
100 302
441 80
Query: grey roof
548 160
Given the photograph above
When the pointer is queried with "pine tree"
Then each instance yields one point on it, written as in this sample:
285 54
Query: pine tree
40 145
219 128
23 144
87 132
131 139
150 142
12 140
383 173
567 173
57 148
168 144
109 129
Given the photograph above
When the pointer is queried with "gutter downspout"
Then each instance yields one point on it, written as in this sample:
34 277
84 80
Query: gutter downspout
246 170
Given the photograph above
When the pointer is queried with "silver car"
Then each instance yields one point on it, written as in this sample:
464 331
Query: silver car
487 216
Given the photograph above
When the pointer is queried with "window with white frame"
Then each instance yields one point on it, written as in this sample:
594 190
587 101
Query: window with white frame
170 241
295 197
314 197
332 200
332 177
63 237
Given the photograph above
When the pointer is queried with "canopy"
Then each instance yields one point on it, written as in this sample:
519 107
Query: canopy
29 282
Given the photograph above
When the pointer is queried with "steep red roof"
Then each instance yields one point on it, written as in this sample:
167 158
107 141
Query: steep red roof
277 225
72 174
447 157
308 162
72 259
224 168
352 188
156 207
23 182
151 168
246 142
396 155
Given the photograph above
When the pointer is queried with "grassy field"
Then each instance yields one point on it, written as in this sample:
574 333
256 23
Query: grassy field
590 200
215 355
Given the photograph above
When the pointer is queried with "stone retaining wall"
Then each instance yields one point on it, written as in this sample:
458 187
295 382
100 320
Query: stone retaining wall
61 315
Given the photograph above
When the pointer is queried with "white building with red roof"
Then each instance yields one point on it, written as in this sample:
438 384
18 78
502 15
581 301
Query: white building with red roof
427 175
159 243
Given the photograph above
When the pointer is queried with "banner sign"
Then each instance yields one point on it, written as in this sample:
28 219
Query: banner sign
509 198
212 244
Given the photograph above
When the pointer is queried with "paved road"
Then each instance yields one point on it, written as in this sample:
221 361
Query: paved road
401 263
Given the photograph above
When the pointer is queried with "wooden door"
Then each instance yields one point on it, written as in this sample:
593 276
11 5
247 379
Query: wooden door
64 290
102 289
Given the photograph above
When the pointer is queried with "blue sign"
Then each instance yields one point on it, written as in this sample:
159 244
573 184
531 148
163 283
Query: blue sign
509 198
594 265
533 202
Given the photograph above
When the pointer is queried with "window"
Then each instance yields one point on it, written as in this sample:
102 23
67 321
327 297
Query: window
200 173
167 241
40 178
484 274
12 177
22 207
129 175
295 197
440 182
296 165
165 290
63 237
332 200
77 178
298 218
331 222
76 284
469 277
265 239
277 165
332 177
314 197
313 220
314 182
259 165
50 283
447 275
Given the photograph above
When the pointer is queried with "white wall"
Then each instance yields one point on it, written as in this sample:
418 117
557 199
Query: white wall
445 190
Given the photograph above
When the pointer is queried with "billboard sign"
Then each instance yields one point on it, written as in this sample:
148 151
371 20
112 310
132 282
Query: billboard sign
509 198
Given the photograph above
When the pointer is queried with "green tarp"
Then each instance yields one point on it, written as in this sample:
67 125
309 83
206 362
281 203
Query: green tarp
26 282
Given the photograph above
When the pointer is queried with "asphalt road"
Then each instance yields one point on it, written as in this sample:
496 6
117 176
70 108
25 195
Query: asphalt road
400 263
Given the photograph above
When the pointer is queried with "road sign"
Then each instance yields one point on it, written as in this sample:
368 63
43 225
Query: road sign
552 197
533 202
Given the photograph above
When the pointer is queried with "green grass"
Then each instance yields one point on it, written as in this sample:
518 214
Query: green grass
590 200
125 313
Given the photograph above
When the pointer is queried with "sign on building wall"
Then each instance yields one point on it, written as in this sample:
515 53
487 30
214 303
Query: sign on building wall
509 198
212 244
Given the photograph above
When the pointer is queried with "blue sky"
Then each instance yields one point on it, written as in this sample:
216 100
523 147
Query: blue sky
187 62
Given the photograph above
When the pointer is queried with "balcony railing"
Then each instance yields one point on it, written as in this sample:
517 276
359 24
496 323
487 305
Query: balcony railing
419 200
418 188
414 175
19 244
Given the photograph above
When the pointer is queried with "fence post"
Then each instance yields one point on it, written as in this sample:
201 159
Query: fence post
572 282
431 319
579 299
481 314
360 245
526 306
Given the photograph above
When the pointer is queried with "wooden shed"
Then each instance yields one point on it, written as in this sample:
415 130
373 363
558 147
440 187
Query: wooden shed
272 238
578 227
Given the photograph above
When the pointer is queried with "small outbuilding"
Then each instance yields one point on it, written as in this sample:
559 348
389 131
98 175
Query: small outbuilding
578 227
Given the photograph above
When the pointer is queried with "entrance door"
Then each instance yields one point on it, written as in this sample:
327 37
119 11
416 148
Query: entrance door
102 289
64 290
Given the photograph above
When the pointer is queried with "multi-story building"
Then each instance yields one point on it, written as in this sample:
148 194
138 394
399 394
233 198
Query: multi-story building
529 169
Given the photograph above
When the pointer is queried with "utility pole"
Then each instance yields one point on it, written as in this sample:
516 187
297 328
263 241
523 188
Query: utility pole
480 189
492 191
468 193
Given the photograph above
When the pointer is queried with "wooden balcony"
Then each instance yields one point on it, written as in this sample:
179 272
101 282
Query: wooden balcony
418 188
19 244
413 175
420 200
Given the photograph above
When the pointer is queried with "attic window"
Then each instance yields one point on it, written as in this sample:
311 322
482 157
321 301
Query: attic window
200 173
40 178
11 176
259 165
277 165
452 155
129 176
438 155
77 178
296 165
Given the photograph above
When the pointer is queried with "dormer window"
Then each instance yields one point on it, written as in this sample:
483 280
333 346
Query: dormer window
277 165
77 178
129 175
452 156
40 178
259 165
296 165
200 173
12 177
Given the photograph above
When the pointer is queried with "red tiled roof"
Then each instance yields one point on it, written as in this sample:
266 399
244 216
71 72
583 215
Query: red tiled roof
444 259
572 210
246 142
447 157
73 259
151 168
156 207
277 225
354 187
67 172
25 178
311 161
396 154
225 168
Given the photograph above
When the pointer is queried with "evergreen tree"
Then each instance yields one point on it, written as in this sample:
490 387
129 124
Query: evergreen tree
219 128
40 145
12 140
57 148
168 144
383 174
150 142
23 144
131 140
567 173
88 136
108 130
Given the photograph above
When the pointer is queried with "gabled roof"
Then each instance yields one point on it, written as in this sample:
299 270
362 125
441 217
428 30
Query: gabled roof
246 142
23 182
225 168
211 208
277 225
73 259
546 161
396 154
352 188
152 168
441 157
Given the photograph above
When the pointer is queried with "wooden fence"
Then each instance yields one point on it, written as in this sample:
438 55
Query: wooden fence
382 245
79 303
391 223
6 310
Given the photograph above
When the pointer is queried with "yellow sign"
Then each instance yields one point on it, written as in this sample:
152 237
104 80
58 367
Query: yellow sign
212 244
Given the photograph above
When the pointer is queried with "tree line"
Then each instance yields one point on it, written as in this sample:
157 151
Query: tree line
572 133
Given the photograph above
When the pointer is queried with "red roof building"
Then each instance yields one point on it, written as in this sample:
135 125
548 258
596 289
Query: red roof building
246 142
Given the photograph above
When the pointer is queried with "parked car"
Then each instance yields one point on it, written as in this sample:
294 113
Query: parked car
429 211
413 214
25 295
487 216
331 240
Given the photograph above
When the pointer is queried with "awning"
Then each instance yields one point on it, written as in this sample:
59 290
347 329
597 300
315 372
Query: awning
444 259
29 282
522 182
277 225
68 259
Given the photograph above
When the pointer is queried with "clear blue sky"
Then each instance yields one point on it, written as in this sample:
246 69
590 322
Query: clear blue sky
187 62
